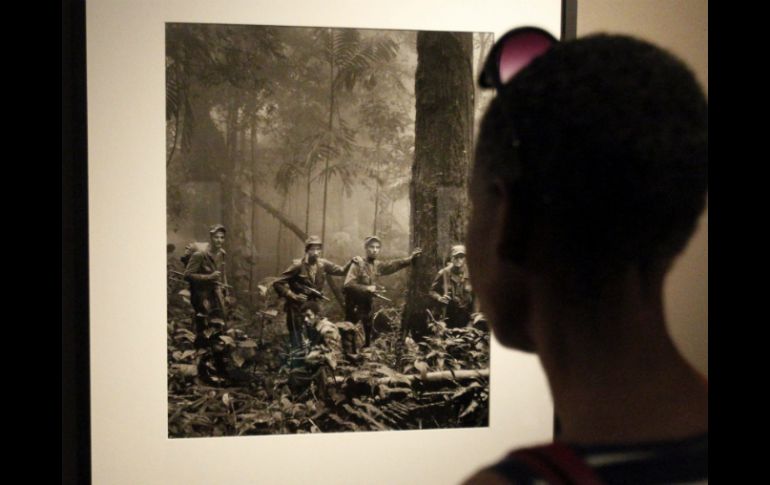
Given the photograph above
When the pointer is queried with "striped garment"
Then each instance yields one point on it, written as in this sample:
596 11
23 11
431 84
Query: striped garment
680 462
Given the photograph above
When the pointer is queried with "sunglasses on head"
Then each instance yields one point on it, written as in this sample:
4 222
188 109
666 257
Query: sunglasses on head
512 53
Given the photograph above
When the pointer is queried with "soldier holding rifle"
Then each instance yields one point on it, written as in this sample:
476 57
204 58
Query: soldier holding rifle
205 271
452 289
304 281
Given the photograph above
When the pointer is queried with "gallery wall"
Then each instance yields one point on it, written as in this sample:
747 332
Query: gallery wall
126 141
680 26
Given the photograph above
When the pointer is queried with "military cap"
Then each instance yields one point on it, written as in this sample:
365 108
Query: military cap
457 249
217 228
313 240
371 239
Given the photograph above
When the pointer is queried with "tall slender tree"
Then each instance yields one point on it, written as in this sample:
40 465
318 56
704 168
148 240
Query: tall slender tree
352 59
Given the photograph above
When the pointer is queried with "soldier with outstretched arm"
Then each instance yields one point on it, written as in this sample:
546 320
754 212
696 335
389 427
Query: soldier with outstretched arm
361 283
304 281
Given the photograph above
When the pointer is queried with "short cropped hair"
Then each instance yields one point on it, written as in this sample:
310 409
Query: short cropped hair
605 139
312 306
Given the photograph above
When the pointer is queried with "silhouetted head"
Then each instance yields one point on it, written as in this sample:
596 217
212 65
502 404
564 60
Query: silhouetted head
593 159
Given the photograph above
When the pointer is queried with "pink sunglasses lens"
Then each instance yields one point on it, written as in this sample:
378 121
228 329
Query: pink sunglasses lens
519 50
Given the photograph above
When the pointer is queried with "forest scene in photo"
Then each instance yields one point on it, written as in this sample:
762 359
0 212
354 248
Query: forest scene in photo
282 141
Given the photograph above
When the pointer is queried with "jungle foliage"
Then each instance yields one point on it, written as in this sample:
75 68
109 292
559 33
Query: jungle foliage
257 386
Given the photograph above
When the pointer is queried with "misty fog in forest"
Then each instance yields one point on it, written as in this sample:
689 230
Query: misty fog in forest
281 131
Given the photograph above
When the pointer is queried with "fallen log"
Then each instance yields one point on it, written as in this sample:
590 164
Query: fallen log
444 376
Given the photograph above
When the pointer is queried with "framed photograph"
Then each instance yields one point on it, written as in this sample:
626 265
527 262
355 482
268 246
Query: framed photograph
305 166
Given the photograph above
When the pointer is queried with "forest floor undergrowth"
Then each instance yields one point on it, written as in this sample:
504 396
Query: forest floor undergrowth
256 386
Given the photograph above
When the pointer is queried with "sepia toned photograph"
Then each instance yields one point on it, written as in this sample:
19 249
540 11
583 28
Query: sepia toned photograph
316 202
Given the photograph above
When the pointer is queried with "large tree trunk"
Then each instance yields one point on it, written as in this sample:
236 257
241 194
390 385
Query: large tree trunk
280 216
176 136
227 177
378 178
254 182
235 204
278 266
486 40
205 157
444 377
443 147
330 127
307 197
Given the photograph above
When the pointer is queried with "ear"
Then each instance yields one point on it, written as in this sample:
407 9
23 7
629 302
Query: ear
513 223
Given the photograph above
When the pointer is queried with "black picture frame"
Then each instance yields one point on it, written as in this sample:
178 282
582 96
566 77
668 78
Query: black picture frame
76 451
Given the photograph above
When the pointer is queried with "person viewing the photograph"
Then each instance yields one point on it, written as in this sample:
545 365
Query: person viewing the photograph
591 171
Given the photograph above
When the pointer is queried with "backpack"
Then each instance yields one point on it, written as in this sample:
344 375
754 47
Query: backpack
192 248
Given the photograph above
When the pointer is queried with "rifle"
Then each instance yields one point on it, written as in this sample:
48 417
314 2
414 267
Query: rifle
219 283
314 292
378 294
445 277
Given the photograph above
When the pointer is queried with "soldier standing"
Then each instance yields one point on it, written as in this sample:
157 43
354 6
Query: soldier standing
361 283
452 288
205 271
304 281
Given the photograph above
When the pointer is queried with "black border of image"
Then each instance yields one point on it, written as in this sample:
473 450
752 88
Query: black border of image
76 440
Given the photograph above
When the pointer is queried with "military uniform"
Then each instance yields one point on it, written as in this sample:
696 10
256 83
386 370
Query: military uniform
301 278
207 293
455 284
317 366
358 300
325 342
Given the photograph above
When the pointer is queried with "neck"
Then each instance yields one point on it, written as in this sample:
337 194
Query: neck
614 372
